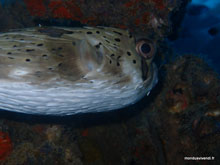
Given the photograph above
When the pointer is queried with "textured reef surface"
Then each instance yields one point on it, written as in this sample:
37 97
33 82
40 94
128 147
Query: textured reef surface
150 16
180 118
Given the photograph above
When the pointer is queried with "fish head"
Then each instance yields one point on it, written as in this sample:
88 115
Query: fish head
119 56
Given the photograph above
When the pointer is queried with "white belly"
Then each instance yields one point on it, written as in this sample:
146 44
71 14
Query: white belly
21 97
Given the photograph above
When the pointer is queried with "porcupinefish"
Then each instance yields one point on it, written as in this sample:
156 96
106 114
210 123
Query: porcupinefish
64 71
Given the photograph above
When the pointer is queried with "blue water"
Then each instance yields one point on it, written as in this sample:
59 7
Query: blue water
5 2
200 32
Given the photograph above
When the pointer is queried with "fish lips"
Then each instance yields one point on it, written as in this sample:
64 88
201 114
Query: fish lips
151 77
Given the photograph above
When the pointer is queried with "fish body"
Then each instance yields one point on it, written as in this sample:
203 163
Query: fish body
64 71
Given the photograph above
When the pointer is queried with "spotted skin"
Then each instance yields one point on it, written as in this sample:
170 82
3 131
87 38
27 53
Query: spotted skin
58 57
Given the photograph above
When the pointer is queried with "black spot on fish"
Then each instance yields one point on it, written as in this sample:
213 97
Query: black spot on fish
128 53
29 50
59 65
10 57
28 60
89 32
60 55
110 61
60 48
73 43
107 41
117 39
97 46
9 53
15 46
118 33
44 55
50 68
134 61
130 35
112 55
97 32
118 57
104 36
53 49
21 39
39 44
7 38
118 64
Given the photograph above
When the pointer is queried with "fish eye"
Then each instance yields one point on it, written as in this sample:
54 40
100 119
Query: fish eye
145 49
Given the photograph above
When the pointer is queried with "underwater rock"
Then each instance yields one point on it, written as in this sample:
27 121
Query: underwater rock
178 98
53 133
145 15
188 116
21 153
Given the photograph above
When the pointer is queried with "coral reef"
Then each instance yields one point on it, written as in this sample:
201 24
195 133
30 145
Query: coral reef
148 16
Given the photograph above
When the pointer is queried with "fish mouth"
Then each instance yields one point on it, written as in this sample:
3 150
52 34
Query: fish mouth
151 77
144 69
